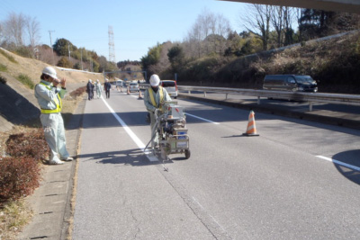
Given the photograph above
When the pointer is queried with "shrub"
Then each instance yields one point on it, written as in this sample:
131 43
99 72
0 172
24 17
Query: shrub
64 62
19 177
24 79
3 68
24 51
78 92
30 144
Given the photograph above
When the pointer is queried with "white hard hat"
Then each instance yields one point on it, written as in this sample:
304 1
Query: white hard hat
154 80
90 80
50 71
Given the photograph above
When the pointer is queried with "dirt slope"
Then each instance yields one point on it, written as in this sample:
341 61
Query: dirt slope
17 101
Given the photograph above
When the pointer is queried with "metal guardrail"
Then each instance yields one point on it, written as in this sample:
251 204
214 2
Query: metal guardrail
311 98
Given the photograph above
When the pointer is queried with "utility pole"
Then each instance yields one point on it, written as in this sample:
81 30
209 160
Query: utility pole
52 50
81 61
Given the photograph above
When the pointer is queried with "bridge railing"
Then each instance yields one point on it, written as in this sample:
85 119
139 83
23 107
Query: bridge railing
310 97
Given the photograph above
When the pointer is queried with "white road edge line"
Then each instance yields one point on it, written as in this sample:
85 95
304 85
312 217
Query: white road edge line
206 120
138 142
340 163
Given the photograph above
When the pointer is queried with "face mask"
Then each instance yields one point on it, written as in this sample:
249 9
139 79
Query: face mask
155 89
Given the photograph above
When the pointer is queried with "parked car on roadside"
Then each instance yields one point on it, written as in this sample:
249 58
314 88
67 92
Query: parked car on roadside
119 83
171 87
290 82
133 87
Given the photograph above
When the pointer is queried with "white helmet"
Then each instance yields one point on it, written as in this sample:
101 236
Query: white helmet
50 71
90 80
154 80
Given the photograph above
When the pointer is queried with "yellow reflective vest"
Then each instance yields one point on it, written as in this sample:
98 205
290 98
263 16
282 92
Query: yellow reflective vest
57 101
152 98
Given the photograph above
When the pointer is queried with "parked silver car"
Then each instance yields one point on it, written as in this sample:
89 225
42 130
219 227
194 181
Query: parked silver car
133 87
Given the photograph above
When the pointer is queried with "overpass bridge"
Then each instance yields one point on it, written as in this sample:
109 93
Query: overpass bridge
328 5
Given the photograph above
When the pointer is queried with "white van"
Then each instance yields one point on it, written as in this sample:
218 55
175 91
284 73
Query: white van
119 83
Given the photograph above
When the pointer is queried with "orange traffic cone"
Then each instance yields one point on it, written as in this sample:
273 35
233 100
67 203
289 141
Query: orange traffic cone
128 91
251 127
140 96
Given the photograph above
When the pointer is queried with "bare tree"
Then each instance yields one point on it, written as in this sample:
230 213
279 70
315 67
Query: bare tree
14 29
33 30
258 22
289 16
220 29
208 34
278 23
194 41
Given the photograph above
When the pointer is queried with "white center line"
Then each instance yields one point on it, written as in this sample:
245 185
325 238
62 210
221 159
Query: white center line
206 120
340 163
138 142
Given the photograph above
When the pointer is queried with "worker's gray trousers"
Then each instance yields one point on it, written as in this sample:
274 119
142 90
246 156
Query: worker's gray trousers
54 132
152 124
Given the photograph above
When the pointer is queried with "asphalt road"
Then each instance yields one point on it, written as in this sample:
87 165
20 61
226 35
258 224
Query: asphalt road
291 182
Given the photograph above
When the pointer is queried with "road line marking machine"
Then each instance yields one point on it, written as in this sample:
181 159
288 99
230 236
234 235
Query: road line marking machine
169 134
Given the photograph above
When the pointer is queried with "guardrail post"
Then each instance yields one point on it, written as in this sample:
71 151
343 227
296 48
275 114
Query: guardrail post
310 106
258 101
204 94
226 96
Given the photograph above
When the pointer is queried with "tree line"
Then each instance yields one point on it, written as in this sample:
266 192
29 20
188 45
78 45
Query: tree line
20 34
211 43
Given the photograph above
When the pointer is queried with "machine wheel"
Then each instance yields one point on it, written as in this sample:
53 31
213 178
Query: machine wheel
187 154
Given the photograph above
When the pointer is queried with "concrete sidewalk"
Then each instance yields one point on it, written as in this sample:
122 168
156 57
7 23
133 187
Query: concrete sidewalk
51 202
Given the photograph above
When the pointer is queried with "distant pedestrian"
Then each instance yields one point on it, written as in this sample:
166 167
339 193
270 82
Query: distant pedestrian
49 97
98 88
90 89
107 87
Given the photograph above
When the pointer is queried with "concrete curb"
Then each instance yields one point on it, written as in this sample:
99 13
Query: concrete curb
51 202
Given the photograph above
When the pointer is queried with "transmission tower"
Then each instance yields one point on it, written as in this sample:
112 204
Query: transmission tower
111 45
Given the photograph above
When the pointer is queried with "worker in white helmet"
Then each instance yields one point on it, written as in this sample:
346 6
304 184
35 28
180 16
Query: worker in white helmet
90 89
154 98
98 88
107 87
49 97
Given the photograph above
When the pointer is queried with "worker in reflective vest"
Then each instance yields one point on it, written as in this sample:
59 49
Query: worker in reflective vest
154 98
49 98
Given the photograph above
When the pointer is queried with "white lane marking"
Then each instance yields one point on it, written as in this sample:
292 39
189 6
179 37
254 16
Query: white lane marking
138 142
206 120
340 163
197 202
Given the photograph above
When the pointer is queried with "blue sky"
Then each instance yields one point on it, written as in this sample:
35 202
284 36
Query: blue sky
137 24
